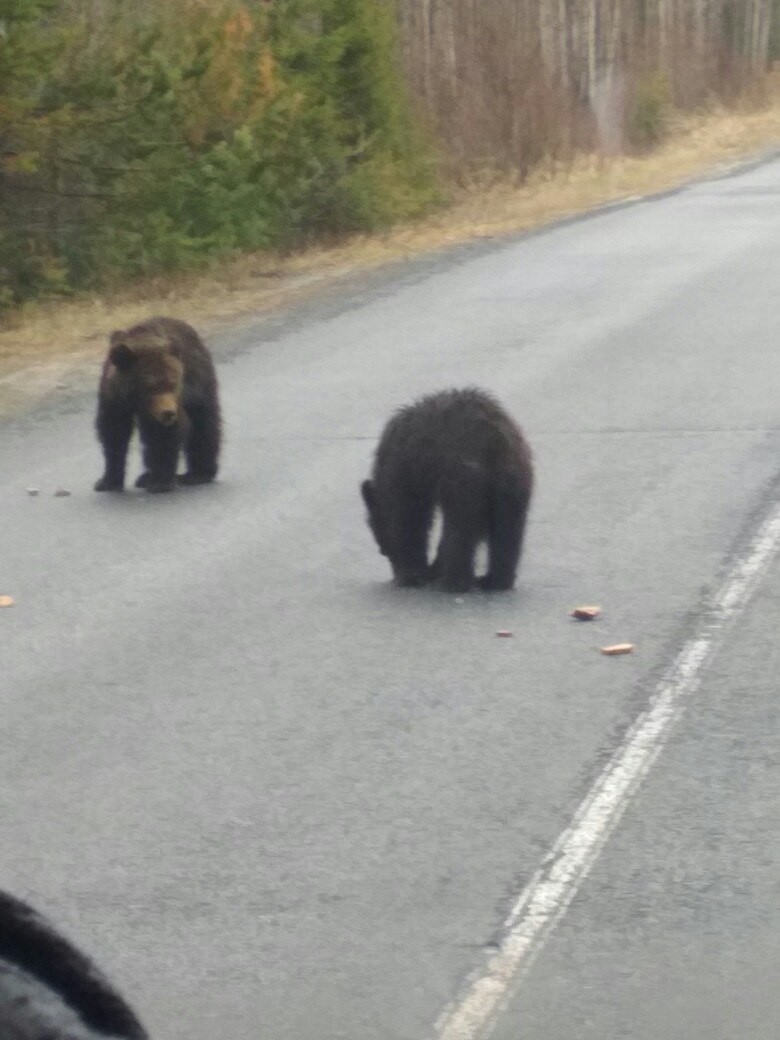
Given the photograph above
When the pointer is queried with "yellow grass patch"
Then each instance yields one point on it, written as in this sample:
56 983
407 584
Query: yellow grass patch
41 343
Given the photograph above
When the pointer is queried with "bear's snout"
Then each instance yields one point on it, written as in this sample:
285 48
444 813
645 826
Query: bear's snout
164 409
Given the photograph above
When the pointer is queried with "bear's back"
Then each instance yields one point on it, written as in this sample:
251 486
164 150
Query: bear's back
450 431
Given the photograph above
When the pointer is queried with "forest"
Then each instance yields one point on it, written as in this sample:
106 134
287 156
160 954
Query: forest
151 137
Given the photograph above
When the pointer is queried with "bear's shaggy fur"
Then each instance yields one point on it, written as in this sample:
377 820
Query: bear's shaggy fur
457 450
159 376
49 990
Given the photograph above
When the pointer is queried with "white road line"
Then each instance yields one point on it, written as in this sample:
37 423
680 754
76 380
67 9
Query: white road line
554 885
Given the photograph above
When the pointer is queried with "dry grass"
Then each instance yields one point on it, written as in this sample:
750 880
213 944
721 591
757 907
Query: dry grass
45 341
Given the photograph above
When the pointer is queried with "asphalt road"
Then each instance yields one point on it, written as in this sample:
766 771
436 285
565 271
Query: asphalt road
278 798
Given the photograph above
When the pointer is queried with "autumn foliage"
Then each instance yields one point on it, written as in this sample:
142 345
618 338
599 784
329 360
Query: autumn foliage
145 137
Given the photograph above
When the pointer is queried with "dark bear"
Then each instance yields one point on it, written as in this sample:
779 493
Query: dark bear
459 451
159 376
49 990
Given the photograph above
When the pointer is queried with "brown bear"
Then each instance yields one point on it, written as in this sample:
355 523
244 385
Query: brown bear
159 376
457 450
50 990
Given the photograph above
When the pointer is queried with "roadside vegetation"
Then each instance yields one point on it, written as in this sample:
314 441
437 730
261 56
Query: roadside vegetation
208 157
145 137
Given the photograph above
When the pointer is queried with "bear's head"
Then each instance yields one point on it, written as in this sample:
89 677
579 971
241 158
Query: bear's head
387 527
154 371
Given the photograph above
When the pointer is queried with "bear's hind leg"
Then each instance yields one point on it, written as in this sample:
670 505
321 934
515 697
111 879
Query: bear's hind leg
114 428
454 562
462 502
202 446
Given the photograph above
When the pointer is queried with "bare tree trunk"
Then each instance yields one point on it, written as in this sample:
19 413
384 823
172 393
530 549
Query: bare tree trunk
547 37
703 12
664 56
427 55
592 38
613 45
766 28
564 43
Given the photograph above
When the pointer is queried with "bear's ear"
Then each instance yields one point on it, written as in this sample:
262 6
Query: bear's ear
367 491
121 355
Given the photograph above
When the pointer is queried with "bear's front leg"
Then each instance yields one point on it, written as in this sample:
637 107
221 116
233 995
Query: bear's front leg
411 524
161 446
201 441
114 426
